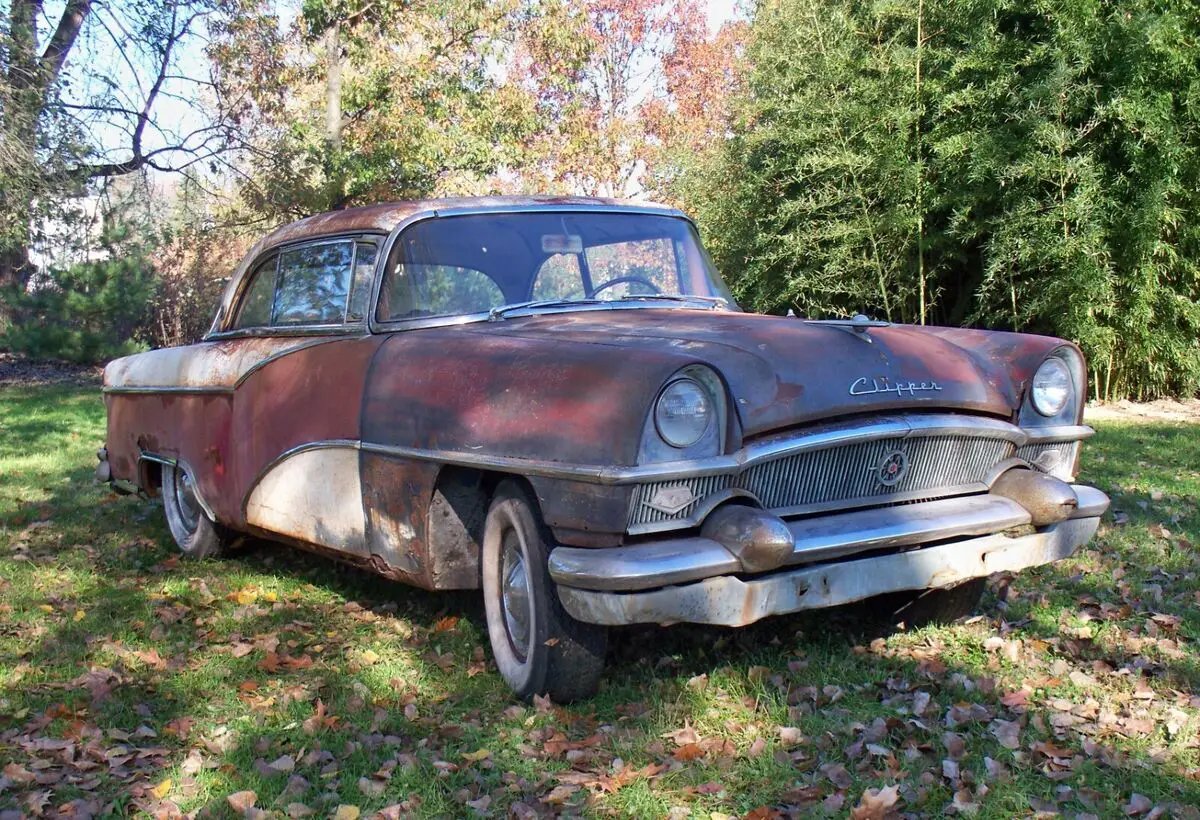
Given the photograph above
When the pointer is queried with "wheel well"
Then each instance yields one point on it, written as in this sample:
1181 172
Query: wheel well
149 476
457 512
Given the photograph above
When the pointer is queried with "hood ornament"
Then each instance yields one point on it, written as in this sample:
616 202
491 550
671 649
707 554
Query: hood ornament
863 386
858 326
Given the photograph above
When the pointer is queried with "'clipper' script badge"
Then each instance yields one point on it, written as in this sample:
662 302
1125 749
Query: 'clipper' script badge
867 387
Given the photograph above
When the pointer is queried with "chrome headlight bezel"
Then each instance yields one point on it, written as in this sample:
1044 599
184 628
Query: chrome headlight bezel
1065 360
657 447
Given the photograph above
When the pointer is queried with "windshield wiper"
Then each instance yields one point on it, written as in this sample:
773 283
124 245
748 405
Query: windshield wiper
714 302
499 311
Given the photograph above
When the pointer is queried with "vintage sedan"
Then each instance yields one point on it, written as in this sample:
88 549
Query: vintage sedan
558 402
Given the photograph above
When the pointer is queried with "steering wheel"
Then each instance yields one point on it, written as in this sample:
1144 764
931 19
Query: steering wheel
621 280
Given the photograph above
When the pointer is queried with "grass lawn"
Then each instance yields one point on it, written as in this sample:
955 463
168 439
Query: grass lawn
132 682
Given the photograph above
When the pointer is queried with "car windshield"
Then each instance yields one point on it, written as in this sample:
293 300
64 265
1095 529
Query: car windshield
504 263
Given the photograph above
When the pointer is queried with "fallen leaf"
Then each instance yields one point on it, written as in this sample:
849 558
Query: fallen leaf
875 803
790 735
446 624
241 801
683 737
345 812
160 791
1007 732
371 788
559 794
1138 804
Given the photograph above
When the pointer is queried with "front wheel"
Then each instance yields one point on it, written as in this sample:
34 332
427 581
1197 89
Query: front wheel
538 647
197 535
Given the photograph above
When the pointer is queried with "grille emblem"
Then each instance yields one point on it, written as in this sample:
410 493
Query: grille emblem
893 468
671 500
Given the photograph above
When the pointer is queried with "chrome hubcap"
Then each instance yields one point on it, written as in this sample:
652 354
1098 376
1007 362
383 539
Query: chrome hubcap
185 499
514 595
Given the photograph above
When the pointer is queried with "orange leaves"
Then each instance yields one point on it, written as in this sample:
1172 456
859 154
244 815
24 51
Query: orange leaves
608 783
274 662
875 803
689 751
320 720
446 624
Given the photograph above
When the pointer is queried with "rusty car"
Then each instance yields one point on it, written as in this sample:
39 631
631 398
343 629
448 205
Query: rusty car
557 401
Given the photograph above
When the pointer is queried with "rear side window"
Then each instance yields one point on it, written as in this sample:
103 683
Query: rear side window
314 285
256 304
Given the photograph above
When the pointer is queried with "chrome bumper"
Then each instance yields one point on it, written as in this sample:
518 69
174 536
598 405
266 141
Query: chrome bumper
693 579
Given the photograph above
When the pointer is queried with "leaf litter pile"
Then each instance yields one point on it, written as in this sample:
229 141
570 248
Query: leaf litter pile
275 684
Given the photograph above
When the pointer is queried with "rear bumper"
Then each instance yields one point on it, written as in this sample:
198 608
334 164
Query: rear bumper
702 580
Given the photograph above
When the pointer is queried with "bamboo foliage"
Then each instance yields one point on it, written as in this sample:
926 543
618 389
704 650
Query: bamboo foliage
987 162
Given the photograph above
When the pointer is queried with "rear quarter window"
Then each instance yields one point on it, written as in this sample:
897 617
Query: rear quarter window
314 283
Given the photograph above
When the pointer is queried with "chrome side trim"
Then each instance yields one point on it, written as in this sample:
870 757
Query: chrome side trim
314 495
325 444
142 390
727 600
157 459
833 435
1057 433
505 464
167 461
259 365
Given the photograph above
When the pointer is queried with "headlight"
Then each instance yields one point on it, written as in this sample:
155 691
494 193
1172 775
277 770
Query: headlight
683 413
1051 388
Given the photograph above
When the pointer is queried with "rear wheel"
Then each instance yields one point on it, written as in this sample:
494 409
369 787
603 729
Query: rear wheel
935 606
197 535
538 647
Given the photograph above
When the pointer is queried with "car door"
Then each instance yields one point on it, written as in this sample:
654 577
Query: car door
295 426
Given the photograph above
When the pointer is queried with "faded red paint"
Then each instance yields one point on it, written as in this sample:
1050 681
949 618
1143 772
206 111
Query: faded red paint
574 388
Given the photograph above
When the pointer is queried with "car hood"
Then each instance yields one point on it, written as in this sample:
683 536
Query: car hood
786 371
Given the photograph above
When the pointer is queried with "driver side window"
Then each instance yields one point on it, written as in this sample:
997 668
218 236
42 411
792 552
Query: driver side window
559 277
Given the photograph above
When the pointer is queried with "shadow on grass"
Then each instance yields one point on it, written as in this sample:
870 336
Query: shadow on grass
127 550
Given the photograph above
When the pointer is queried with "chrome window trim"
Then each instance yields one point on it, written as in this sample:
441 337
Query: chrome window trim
356 328
377 326
224 318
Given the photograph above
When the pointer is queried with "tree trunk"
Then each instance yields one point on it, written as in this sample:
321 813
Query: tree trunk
333 119
29 80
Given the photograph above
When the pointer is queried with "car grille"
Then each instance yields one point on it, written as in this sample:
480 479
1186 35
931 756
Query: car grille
838 477
1055 457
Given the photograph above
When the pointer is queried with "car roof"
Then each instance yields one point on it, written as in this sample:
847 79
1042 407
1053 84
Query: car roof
385 216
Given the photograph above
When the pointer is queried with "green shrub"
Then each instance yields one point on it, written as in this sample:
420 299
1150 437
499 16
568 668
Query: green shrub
92 312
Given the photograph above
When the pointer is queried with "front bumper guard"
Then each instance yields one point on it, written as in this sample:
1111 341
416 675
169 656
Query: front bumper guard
693 579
